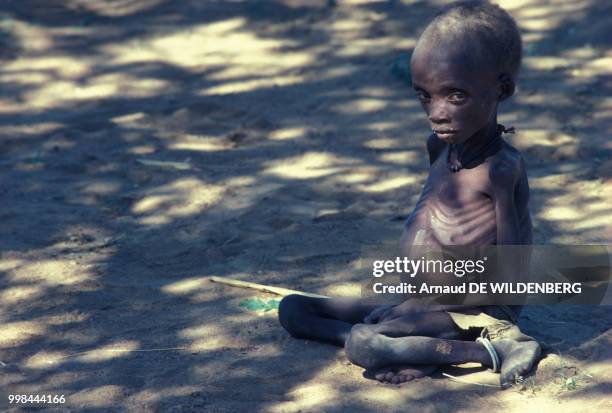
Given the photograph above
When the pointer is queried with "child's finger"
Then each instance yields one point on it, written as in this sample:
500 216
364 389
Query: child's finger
389 314
373 317
376 315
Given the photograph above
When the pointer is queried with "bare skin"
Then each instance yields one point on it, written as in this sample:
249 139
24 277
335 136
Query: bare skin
484 202
373 351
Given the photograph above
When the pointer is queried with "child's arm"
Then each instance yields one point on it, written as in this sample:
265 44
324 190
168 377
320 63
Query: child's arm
504 174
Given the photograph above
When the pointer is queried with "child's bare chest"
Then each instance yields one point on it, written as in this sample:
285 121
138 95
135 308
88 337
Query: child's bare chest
454 208
457 190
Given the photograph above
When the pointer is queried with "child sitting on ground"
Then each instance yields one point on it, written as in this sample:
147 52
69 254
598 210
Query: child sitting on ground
463 65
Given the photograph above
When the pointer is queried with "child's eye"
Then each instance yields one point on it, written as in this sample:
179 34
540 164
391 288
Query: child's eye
457 98
423 97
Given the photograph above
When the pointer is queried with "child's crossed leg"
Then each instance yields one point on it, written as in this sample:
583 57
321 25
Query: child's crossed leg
403 348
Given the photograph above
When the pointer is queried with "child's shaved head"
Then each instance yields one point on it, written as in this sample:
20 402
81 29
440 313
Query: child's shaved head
484 28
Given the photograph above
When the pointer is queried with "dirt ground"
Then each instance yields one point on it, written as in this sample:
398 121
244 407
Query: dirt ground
149 144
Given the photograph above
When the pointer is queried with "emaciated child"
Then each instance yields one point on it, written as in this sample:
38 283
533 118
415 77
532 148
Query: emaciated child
464 64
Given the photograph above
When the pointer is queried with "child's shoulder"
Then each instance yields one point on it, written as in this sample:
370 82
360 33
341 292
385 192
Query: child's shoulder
506 165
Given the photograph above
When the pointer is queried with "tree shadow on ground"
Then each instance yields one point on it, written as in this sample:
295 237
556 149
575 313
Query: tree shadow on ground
291 147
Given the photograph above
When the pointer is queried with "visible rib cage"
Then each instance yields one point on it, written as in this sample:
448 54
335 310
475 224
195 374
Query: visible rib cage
470 224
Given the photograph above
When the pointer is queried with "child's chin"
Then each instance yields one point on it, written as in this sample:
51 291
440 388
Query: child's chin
450 139
455 139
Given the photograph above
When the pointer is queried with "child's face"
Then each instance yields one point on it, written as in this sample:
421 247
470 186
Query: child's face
458 92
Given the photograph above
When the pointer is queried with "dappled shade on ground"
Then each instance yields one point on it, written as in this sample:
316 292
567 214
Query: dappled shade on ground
147 144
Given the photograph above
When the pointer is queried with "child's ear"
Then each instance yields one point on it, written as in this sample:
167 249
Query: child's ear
506 86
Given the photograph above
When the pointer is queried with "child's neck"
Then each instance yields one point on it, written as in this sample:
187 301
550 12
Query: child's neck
476 148
474 145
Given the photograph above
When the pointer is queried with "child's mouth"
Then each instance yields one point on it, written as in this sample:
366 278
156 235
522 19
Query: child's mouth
445 133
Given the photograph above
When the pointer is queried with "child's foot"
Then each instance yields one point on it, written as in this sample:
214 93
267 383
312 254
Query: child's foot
517 358
403 374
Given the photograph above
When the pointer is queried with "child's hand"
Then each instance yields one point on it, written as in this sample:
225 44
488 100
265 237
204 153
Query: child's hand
378 314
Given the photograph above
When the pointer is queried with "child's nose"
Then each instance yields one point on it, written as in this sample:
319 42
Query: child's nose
438 113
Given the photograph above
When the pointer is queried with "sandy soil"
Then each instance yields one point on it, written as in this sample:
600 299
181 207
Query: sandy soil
149 144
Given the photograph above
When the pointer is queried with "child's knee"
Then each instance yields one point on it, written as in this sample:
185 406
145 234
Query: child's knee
361 333
289 310
359 345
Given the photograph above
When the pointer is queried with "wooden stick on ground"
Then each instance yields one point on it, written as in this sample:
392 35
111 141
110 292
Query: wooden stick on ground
457 379
260 287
